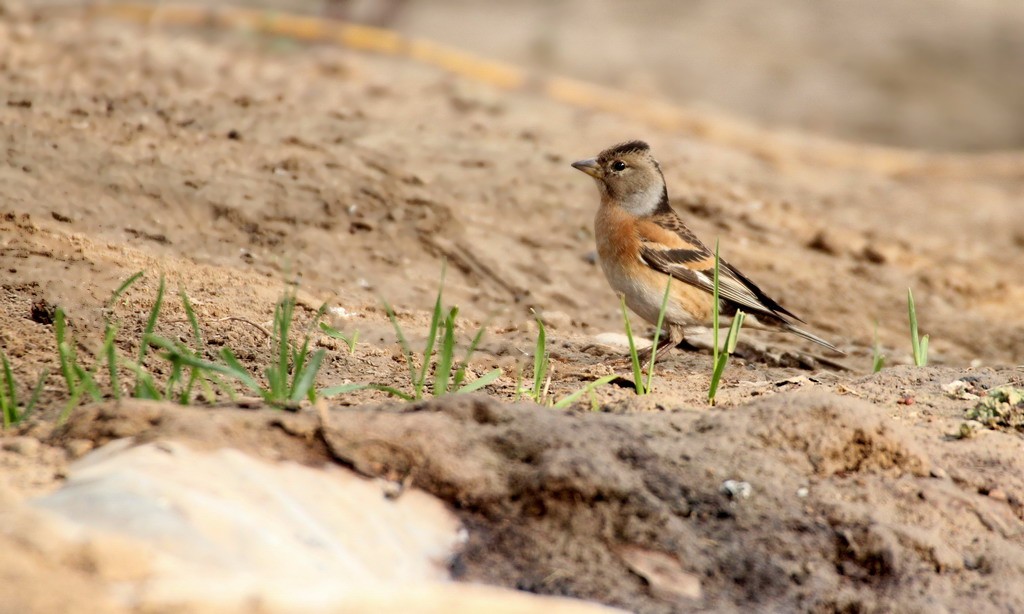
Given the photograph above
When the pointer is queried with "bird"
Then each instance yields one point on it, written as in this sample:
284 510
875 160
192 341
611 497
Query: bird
643 245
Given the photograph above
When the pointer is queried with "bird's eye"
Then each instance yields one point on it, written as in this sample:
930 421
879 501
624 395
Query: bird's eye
618 165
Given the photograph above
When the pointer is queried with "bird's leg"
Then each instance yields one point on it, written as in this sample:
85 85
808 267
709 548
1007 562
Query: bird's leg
666 343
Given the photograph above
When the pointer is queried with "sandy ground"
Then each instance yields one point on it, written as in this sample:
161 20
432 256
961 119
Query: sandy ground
232 164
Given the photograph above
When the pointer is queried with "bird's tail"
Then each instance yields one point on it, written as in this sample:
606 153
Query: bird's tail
810 337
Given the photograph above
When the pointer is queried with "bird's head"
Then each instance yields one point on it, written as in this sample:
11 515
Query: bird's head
627 176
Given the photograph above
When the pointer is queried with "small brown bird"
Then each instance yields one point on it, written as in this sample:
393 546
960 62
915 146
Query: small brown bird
642 244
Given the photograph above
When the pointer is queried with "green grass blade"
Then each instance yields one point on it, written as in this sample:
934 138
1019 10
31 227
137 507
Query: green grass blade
221 385
185 396
428 351
443 373
589 388
334 333
154 313
236 370
177 369
395 392
277 374
11 390
657 335
484 380
110 354
403 342
541 359
918 344
148 389
70 405
877 358
7 412
204 379
193 321
186 358
716 377
638 380
734 332
8 394
64 352
731 339
299 367
307 378
519 383
460 373
36 392
123 288
88 383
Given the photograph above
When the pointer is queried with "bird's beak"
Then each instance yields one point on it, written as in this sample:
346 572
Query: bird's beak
590 167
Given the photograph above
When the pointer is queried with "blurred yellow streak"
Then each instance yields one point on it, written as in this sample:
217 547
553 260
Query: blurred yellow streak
775 146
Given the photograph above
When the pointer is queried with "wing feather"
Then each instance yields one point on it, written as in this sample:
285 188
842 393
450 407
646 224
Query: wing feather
692 262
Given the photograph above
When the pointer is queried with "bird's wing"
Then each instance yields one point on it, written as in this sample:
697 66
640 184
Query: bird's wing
668 246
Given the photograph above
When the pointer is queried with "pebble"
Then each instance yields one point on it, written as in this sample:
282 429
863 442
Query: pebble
938 473
736 489
998 494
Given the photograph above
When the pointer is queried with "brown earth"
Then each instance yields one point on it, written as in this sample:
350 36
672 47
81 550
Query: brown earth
231 163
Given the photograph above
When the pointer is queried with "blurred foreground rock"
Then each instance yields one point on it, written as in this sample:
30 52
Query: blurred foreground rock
161 526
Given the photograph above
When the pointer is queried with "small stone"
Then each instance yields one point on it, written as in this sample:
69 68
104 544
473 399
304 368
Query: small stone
906 400
26 446
938 473
736 489
959 389
618 340
802 492
998 494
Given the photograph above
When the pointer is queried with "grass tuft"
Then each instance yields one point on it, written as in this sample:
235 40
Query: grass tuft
449 375
10 410
541 364
918 343
349 340
720 356
877 357
542 376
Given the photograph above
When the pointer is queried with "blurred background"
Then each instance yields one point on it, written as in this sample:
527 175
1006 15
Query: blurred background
934 74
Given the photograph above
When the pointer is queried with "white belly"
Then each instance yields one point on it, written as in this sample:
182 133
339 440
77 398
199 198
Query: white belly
644 294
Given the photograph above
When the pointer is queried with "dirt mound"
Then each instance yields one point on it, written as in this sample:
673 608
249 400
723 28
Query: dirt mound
548 492
806 501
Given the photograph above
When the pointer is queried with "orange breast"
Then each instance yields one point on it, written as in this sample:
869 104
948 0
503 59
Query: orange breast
618 246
